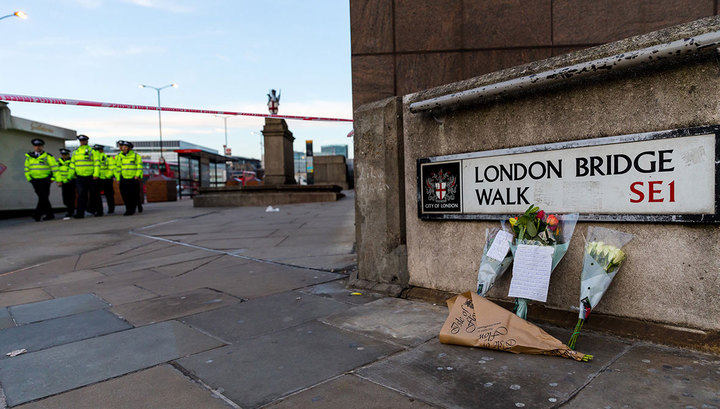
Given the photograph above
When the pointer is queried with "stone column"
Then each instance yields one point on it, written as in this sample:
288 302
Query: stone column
380 196
279 160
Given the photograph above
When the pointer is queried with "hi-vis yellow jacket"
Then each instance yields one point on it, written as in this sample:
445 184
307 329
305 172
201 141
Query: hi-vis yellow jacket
106 166
40 166
128 166
83 161
64 174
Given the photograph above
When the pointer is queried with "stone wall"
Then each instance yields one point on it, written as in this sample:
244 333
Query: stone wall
379 193
403 46
671 276
331 170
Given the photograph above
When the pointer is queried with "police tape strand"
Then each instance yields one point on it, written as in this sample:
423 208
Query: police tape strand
62 101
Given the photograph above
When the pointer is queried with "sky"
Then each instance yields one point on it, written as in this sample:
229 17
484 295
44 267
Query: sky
224 55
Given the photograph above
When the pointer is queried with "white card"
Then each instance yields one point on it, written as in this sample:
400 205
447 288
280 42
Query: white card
531 272
500 246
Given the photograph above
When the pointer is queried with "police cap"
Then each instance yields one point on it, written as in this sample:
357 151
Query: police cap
64 151
126 143
98 147
83 137
38 142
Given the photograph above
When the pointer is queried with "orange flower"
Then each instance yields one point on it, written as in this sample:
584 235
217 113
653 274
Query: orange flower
513 221
552 222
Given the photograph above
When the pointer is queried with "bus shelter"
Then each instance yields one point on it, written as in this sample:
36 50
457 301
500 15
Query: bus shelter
198 168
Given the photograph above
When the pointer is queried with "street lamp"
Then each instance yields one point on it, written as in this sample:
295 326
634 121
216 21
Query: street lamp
159 111
225 118
19 14
262 152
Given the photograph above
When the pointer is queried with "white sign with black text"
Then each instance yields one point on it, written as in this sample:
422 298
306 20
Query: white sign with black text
672 173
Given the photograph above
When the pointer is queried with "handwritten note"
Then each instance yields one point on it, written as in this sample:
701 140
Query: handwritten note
531 272
500 245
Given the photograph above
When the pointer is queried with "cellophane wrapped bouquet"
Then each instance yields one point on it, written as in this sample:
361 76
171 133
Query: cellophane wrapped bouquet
602 259
536 227
491 268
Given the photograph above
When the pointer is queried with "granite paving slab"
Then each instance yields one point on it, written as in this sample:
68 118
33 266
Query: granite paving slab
8 298
650 376
349 392
263 315
297 252
405 322
216 235
243 279
25 278
236 243
62 368
452 376
338 292
302 239
59 331
256 371
102 284
174 306
161 387
174 270
179 254
124 294
332 263
112 252
6 320
57 265
59 307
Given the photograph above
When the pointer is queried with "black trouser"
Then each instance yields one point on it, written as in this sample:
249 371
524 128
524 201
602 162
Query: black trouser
106 185
83 184
129 190
95 205
68 195
42 190
141 195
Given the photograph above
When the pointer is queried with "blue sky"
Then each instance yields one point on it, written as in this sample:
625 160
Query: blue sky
223 54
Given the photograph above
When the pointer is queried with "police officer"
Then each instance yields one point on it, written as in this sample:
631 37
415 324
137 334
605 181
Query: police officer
102 182
65 178
40 169
83 164
128 172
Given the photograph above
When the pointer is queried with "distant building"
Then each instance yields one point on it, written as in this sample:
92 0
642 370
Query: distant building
334 150
150 150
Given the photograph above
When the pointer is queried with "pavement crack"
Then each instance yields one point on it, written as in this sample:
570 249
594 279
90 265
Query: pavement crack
212 258
592 377
216 392
225 252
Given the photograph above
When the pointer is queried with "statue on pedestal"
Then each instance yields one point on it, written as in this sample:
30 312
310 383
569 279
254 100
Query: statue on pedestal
273 102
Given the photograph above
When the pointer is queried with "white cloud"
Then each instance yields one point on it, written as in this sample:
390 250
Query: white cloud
90 4
110 51
166 5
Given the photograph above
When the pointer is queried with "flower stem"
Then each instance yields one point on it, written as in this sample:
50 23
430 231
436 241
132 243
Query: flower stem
576 332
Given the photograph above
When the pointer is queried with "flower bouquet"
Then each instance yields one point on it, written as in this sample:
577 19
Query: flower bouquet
601 262
476 321
537 228
495 260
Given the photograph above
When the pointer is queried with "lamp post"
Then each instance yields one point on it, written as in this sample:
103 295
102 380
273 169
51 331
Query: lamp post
225 118
162 158
262 152
19 14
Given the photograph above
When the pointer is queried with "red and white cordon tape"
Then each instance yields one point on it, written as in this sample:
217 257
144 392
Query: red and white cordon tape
62 101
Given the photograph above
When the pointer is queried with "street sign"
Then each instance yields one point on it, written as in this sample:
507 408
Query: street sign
659 176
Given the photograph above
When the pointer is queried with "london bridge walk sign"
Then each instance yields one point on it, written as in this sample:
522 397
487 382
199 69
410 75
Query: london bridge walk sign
662 176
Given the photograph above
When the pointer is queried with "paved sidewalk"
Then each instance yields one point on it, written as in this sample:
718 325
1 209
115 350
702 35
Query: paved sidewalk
237 307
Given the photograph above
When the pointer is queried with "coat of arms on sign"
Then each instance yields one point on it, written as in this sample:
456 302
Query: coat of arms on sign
441 186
